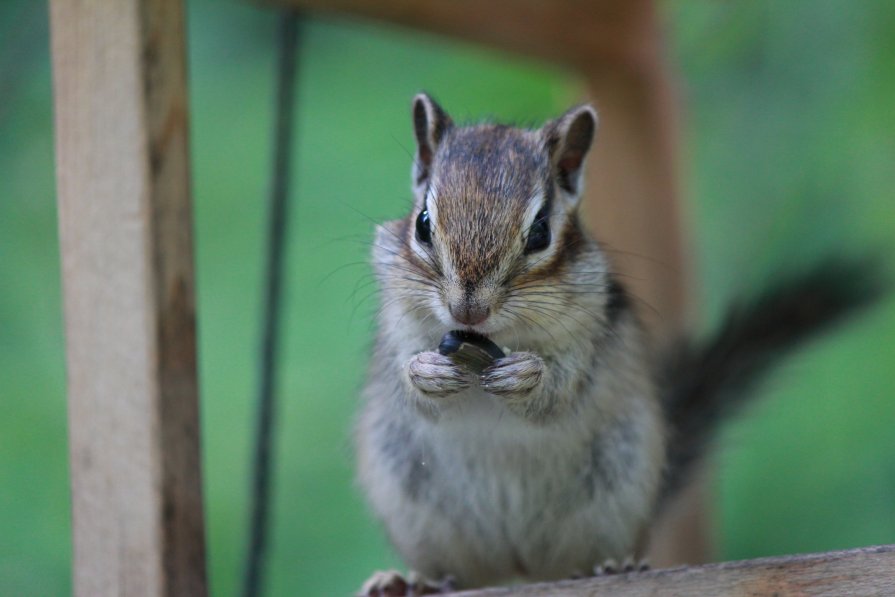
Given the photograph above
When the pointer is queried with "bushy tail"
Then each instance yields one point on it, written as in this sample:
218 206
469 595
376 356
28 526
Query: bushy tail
703 382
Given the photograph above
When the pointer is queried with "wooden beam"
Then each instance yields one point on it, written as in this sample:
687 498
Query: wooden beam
569 32
632 198
868 571
127 267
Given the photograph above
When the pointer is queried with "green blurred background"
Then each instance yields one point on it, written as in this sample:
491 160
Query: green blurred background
789 155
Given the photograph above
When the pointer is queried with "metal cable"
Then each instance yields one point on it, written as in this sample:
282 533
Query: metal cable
283 134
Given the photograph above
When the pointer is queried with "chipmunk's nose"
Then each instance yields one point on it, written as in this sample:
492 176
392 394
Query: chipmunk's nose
469 313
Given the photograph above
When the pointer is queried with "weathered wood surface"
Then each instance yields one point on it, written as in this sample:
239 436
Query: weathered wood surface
866 572
127 267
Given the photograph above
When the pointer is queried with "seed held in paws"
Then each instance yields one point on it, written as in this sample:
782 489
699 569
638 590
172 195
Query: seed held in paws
469 349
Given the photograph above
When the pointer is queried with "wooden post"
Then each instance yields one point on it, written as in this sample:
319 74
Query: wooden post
632 197
127 268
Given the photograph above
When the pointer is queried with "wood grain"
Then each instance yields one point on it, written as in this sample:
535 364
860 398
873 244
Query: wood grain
127 265
866 572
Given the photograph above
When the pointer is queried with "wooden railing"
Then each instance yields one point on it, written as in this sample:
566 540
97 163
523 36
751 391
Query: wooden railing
868 571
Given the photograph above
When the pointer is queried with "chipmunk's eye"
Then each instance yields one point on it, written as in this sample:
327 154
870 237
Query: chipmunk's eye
424 228
539 233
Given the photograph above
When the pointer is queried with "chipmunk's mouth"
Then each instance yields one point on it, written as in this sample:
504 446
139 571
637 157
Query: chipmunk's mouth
484 329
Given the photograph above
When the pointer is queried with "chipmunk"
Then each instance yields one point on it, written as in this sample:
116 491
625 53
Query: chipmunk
557 456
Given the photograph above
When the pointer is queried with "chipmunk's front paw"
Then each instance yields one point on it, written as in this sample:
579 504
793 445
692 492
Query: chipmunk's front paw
515 376
436 375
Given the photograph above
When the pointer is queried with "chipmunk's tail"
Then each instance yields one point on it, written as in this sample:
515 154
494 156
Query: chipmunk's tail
706 381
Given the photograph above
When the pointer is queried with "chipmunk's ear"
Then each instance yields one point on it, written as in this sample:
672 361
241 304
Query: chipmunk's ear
430 122
568 139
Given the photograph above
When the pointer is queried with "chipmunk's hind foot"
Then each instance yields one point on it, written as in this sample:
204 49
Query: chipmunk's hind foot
629 564
390 583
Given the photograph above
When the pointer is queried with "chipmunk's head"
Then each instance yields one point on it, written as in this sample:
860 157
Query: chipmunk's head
493 241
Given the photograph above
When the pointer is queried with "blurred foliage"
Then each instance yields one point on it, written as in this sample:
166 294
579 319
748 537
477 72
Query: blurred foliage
789 155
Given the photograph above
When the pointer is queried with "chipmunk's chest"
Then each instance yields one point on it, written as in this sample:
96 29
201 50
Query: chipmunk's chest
523 466
484 495
551 501
556 494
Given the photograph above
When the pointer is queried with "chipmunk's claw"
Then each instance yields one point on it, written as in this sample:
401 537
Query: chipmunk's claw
514 376
436 375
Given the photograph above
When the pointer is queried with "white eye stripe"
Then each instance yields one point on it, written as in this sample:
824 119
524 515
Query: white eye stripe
431 206
535 205
537 202
425 250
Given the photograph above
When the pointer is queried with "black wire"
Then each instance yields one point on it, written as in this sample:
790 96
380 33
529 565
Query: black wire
276 241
